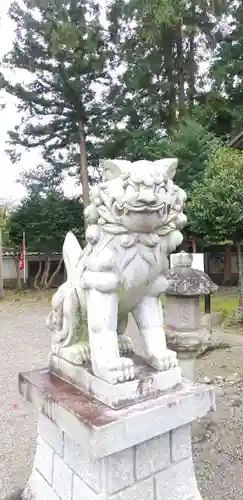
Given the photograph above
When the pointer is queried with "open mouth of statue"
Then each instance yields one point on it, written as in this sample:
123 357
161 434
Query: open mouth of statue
124 209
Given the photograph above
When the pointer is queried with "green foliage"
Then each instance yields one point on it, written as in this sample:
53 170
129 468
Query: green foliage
193 144
42 181
5 209
226 96
160 56
46 222
215 209
158 100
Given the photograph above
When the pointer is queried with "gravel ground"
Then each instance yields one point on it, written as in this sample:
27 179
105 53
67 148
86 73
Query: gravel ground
24 345
217 439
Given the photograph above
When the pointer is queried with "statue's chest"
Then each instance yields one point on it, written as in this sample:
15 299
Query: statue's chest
137 265
136 259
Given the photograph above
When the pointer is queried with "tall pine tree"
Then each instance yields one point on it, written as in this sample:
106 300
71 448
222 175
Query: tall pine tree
62 46
160 45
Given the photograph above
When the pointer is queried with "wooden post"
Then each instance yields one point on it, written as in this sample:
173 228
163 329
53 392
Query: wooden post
240 273
207 298
194 245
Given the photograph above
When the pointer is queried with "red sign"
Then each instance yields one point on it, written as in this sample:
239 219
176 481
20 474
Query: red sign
22 258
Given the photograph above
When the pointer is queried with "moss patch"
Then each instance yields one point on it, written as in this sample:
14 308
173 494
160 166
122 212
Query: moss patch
226 305
82 334
17 495
24 296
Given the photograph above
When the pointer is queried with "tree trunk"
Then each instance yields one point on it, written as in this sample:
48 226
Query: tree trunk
240 273
194 245
43 277
227 264
55 273
168 59
180 70
83 164
47 271
191 61
38 274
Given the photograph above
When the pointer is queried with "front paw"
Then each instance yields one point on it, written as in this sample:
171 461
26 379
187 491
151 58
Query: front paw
118 370
165 362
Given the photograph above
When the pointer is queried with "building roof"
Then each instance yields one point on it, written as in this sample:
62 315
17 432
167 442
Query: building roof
237 141
10 253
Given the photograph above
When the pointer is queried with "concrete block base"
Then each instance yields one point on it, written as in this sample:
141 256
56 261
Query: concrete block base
87 451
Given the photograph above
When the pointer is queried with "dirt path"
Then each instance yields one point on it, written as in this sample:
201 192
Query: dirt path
217 439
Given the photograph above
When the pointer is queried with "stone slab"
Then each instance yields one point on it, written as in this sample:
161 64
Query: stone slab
103 430
211 320
147 384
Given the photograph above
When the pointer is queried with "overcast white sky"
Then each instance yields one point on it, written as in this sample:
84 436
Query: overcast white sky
9 189
8 172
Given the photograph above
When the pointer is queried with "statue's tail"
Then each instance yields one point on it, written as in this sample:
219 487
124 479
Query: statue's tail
72 255
74 259
68 299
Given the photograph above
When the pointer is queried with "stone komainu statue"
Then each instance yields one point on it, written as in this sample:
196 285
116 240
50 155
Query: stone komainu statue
134 221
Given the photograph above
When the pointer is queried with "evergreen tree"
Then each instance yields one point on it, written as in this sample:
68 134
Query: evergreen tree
226 98
42 181
191 142
62 46
215 210
46 221
158 97
160 44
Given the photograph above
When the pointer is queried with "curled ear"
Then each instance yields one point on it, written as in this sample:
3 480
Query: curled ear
114 168
168 165
111 170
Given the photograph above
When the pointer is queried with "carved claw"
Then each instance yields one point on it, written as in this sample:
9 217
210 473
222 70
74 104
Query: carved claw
119 370
166 362
84 353
77 354
125 345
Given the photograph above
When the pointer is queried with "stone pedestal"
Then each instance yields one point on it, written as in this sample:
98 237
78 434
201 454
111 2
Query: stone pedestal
148 382
88 451
188 366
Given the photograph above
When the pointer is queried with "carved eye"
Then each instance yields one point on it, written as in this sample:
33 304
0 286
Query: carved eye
119 211
125 175
158 179
137 179
135 186
161 190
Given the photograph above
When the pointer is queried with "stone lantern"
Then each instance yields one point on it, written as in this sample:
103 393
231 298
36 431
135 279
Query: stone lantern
185 333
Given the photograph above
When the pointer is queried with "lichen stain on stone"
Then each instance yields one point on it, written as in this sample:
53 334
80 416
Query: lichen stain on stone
18 495
55 390
171 404
144 385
